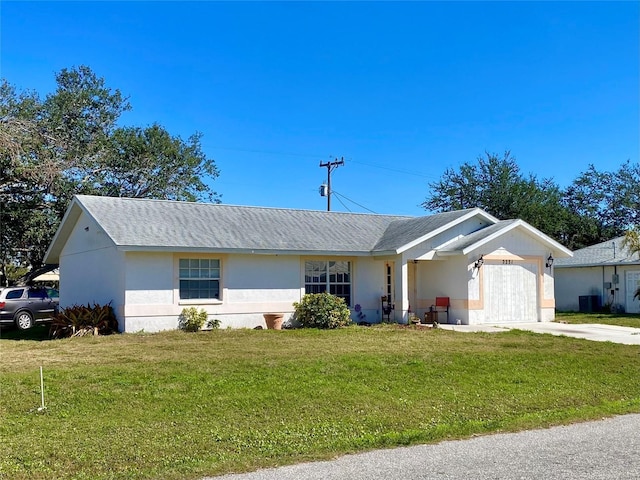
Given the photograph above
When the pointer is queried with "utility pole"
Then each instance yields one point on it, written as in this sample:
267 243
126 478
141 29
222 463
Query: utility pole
331 166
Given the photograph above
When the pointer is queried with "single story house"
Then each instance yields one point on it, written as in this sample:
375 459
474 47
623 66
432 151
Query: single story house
605 276
152 258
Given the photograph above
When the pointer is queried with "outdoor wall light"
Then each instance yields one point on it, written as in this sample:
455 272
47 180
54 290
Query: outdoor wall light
550 261
478 263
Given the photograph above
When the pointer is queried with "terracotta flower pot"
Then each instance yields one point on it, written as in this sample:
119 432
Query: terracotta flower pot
274 320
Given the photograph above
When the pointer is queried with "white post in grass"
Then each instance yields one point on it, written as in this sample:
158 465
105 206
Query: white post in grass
41 390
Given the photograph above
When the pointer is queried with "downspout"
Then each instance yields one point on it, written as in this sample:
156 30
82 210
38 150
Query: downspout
604 295
613 285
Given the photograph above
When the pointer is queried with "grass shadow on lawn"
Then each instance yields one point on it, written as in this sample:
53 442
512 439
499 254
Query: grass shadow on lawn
39 332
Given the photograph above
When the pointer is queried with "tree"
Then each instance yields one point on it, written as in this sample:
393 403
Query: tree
495 184
71 143
596 207
631 241
610 199
150 163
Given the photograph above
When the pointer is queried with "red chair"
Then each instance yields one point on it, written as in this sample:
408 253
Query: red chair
442 305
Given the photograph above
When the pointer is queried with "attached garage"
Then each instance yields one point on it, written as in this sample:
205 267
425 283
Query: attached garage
511 292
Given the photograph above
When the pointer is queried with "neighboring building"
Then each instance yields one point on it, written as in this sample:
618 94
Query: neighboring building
152 258
596 277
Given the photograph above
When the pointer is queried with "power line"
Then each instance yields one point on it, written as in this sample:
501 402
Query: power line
354 202
398 170
305 155
267 152
343 204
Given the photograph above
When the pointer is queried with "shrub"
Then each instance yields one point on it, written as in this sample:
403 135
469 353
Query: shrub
191 320
322 310
213 324
79 320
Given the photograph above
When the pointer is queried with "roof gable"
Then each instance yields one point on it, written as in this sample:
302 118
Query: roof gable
404 234
475 240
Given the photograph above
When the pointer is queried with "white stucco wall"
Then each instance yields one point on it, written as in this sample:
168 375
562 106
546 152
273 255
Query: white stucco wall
369 286
251 285
91 269
573 282
446 277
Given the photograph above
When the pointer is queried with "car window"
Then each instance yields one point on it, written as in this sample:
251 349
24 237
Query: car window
37 293
53 293
14 294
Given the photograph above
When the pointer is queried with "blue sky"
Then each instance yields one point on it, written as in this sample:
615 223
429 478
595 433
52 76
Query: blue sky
402 91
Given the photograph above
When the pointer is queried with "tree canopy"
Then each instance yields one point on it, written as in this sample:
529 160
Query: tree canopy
70 142
596 206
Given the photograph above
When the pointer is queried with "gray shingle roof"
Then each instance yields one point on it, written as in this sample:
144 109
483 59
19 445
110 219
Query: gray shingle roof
141 223
600 254
158 223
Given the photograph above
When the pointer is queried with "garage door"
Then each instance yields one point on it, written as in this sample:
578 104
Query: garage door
511 293
633 283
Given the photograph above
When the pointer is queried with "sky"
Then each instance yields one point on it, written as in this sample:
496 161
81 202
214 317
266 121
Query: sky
402 91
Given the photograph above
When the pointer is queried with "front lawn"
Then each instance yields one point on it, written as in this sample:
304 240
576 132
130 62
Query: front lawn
181 406
621 319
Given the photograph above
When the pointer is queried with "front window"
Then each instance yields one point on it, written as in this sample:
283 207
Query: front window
199 278
328 276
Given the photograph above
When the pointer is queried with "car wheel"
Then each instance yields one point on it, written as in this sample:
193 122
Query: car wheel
24 320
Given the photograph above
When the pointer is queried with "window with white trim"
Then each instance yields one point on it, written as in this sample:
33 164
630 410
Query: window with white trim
199 278
328 276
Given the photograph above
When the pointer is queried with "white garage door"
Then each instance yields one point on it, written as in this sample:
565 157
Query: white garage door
633 283
511 293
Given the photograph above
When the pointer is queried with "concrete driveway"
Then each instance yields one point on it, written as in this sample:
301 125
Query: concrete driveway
588 331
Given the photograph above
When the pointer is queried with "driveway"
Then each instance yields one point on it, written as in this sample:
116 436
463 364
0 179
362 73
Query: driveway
599 450
588 331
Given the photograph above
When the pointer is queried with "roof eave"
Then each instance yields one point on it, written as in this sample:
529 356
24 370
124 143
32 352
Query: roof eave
71 216
601 264
241 251
447 226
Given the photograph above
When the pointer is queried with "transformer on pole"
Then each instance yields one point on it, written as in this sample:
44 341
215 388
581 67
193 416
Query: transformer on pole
325 188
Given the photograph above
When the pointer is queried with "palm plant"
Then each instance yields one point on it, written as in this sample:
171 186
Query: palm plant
631 242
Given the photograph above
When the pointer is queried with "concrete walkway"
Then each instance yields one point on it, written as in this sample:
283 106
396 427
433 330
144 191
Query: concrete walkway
595 332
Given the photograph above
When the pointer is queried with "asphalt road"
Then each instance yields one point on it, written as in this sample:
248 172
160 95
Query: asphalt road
606 449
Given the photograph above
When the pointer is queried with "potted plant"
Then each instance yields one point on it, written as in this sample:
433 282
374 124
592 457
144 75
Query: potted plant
274 320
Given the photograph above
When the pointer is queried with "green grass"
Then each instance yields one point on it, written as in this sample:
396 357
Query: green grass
181 406
621 319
